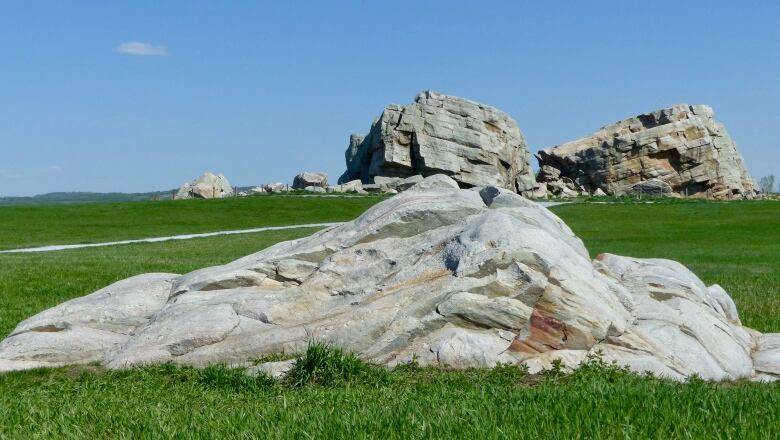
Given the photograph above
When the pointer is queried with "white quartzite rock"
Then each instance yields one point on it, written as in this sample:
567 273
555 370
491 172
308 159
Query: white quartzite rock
207 186
447 276
86 329
681 147
439 134
276 187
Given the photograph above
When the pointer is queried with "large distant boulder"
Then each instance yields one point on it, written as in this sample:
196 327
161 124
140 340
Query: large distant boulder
306 179
473 143
444 276
680 147
207 186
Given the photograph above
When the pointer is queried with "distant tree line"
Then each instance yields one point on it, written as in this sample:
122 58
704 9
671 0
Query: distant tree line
767 184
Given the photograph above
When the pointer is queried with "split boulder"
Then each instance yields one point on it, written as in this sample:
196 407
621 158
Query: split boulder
680 149
473 143
307 179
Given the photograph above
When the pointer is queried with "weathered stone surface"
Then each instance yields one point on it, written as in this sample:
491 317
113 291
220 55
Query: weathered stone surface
274 369
651 187
305 179
277 187
682 146
351 186
447 276
86 329
439 134
207 186
767 355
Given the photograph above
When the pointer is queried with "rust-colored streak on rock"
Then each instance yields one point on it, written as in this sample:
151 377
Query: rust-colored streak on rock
547 333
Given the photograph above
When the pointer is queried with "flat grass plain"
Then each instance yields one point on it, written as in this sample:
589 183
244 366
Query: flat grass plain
734 244
49 224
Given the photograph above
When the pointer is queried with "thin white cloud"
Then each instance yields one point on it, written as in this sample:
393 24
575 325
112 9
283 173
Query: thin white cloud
55 168
136 48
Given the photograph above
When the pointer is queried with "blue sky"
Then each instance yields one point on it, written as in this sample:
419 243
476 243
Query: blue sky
260 91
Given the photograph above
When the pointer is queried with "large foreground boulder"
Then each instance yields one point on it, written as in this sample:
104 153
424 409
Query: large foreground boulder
207 186
447 276
682 147
473 143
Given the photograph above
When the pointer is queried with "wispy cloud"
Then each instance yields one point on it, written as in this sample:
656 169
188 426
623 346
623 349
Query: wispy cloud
136 48
55 168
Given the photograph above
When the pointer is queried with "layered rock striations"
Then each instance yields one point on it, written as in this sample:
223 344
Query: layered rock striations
681 147
447 276
473 143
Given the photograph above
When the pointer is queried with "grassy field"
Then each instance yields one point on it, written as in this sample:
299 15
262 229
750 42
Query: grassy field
734 244
39 225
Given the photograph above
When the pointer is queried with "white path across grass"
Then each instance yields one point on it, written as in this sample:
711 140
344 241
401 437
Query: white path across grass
62 247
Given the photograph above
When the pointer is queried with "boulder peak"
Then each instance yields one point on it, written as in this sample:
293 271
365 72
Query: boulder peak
681 146
473 143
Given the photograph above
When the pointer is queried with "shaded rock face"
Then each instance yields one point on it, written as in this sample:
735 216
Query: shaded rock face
447 276
439 134
207 186
651 187
681 146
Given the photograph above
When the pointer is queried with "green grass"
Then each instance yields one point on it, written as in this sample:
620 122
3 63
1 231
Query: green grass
597 401
79 197
734 244
331 394
29 226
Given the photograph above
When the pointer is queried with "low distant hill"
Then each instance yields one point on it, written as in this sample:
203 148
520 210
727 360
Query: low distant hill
92 197
84 197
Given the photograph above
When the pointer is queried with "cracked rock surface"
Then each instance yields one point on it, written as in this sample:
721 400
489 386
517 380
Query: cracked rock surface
473 143
680 149
452 277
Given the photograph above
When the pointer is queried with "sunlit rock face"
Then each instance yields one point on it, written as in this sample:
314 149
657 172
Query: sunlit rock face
473 143
207 186
680 150
447 276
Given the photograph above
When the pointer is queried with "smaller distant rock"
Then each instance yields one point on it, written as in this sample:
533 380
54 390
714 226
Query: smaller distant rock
305 179
207 186
351 186
436 181
599 193
276 187
373 188
387 182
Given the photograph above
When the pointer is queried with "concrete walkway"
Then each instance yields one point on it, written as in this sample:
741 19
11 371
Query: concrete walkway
62 247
